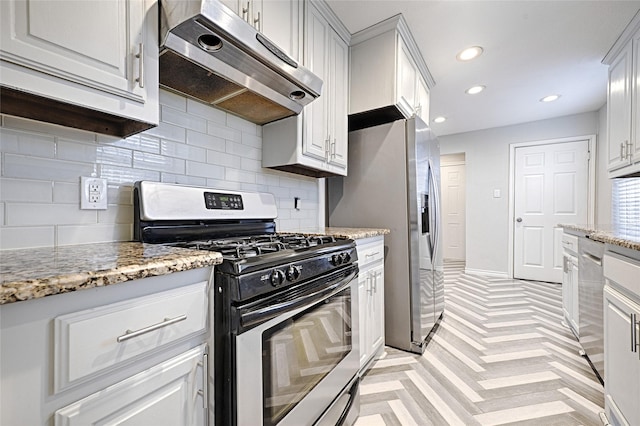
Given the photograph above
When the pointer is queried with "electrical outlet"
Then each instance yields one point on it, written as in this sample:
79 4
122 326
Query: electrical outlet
93 193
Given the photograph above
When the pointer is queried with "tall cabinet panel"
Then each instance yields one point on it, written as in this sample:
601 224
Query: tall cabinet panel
339 78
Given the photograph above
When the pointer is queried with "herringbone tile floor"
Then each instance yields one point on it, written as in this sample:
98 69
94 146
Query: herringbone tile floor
500 356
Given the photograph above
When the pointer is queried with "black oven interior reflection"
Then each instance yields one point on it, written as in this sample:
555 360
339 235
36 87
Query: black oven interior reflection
299 352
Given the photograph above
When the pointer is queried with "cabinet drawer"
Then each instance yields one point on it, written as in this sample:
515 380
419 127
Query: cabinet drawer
570 243
623 272
370 250
90 342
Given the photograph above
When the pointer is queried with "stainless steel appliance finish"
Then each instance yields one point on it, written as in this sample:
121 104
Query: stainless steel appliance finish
394 182
590 293
285 314
210 53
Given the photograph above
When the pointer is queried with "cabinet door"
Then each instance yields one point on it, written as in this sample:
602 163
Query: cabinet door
622 364
363 294
315 143
422 100
575 297
377 308
170 393
232 4
89 43
619 109
567 290
406 75
338 78
281 23
635 96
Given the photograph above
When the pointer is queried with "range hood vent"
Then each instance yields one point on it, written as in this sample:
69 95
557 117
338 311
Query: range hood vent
211 54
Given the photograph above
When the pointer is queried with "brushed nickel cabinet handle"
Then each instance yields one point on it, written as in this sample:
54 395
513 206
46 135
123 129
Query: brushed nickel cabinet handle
140 57
205 382
245 13
622 151
256 22
130 334
633 332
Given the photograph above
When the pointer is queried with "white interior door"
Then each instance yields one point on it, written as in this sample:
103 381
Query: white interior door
551 187
453 210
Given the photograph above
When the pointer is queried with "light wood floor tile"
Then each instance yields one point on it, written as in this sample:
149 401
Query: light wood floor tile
501 355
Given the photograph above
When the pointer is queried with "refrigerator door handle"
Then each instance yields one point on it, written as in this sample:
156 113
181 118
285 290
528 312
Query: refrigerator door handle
434 213
424 212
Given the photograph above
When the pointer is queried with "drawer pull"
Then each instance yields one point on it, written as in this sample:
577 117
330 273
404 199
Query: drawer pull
129 334
372 254
632 319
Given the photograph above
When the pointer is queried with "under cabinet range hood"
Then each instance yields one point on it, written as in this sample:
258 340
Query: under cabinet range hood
211 54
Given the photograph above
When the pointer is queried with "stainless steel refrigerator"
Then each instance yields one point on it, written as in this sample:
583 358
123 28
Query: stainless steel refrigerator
394 182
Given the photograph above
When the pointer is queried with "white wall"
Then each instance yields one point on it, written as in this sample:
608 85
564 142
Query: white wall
194 144
487 169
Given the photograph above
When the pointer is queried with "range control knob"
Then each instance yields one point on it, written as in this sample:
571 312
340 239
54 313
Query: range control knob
336 260
293 273
277 278
346 257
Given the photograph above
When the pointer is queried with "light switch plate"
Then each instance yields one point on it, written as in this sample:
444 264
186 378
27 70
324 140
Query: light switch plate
93 193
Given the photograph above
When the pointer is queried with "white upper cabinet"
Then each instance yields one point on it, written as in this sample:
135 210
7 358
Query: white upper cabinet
101 56
387 69
279 20
315 143
623 101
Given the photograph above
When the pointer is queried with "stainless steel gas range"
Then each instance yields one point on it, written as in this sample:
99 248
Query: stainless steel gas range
285 319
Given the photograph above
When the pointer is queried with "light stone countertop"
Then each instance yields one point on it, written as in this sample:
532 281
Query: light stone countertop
38 272
352 233
627 237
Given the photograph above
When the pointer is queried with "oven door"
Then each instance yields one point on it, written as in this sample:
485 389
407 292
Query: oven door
290 368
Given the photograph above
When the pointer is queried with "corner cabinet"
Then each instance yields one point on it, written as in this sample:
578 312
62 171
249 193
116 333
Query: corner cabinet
98 72
315 143
623 102
387 69
371 298
622 339
135 353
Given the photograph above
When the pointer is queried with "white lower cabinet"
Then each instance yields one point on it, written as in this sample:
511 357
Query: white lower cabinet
170 393
570 295
622 340
134 353
371 297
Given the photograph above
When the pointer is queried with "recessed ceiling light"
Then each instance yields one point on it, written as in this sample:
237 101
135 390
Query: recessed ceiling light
550 98
469 53
439 119
474 90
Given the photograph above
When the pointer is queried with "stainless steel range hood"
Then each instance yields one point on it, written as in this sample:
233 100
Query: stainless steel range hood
210 53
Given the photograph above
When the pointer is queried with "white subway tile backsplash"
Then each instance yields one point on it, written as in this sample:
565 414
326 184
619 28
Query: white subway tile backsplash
183 179
223 159
184 151
27 237
26 190
240 176
221 131
195 144
240 124
173 100
125 175
161 163
36 214
116 214
21 166
243 150
168 131
25 143
66 192
78 234
205 141
205 170
183 119
205 111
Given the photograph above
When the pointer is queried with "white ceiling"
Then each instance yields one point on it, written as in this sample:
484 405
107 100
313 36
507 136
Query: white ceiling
531 49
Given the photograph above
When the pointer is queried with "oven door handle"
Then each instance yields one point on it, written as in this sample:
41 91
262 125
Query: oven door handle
254 317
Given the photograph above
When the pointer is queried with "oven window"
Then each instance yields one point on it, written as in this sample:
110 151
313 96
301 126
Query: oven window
299 352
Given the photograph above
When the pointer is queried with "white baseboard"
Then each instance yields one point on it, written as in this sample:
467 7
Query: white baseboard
485 273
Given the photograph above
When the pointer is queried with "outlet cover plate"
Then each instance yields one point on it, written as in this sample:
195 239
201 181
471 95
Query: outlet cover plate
93 193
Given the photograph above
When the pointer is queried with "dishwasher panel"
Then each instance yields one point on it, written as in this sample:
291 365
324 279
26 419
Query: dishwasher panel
591 285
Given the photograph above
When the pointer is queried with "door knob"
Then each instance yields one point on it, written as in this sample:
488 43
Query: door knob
518 219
